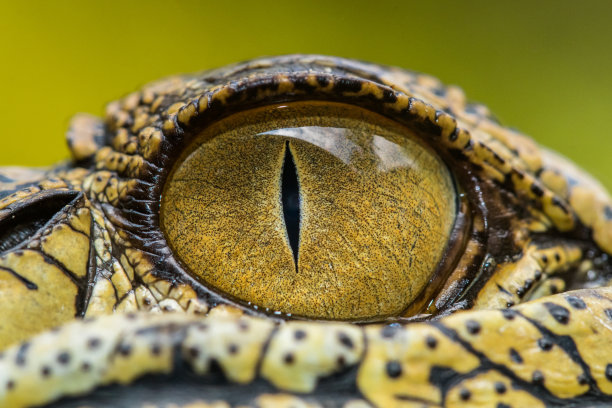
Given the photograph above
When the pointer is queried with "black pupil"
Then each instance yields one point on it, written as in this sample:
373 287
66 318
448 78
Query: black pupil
290 197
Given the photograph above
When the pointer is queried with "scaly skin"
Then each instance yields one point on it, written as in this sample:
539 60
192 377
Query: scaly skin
82 240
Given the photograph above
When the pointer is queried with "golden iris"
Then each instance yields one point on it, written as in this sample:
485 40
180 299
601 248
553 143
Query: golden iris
314 209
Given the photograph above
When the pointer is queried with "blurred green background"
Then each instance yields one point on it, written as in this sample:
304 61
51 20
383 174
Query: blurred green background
544 67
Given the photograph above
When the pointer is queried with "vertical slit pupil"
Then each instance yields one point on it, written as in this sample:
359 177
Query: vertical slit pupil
290 198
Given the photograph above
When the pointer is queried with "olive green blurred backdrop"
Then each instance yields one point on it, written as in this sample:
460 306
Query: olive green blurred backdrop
542 66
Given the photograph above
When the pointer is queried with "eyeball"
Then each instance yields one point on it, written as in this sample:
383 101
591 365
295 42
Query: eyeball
314 209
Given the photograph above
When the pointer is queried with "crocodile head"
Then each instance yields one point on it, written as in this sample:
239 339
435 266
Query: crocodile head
304 231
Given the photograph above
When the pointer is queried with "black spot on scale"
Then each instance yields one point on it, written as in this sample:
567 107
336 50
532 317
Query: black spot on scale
450 111
393 369
100 137
545 343
156 349
345 340
232 349
299 335
235 94
193 352
20 359
439 91
289 359
608 213
500 387
575 302
508 314
537 190
124 349
431 342
502 405
93 343
45 372
63 358
515 356
537 377
347 85
323 81
538 172
559 313
216 104
251 93
301 83
609 372
389 96
473 327
471 109
465 394
390 330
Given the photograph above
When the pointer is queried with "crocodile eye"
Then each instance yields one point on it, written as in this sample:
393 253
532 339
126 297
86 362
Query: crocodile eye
313 209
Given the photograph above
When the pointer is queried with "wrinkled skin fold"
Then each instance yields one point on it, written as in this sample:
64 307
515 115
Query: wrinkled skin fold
99 311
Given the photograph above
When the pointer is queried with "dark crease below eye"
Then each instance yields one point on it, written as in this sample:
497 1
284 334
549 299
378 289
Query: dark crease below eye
21 225
290 198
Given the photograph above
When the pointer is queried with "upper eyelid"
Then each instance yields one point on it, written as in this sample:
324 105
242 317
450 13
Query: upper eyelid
175 124
491 151
172 108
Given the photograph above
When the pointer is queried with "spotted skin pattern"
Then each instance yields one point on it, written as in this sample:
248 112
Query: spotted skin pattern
501 331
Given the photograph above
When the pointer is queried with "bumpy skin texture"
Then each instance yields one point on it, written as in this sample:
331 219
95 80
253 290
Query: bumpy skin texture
83 240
